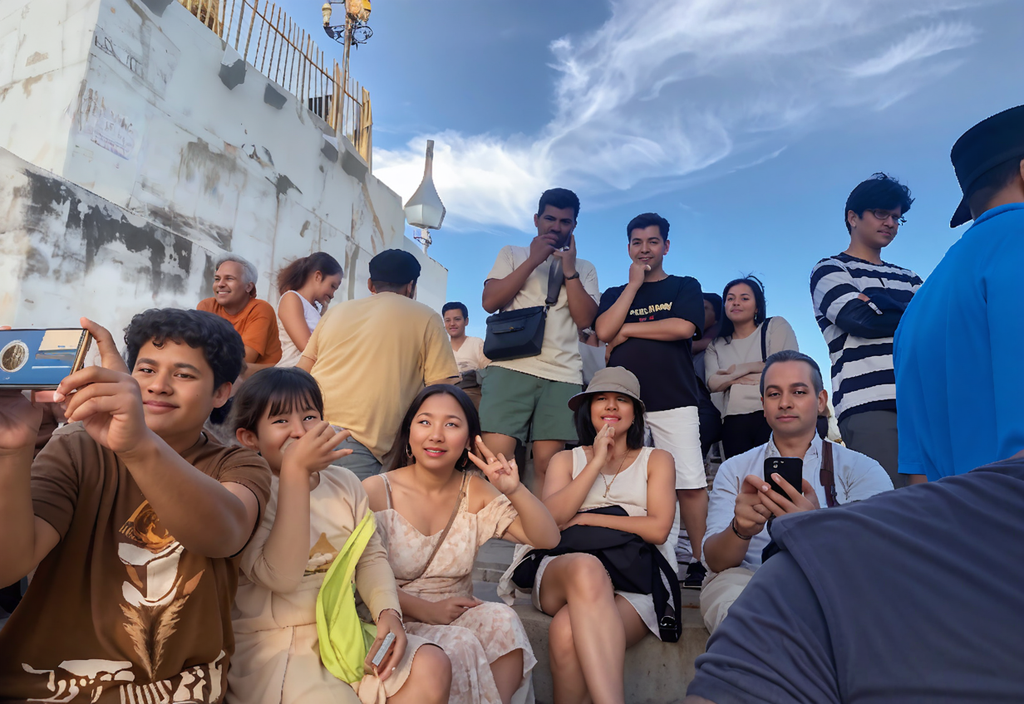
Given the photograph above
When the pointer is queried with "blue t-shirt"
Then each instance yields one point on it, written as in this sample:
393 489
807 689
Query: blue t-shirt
959 354
913 596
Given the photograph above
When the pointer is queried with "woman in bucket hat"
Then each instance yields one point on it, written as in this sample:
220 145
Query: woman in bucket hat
593 624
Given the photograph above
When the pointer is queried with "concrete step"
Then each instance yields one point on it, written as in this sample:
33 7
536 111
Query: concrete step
656 672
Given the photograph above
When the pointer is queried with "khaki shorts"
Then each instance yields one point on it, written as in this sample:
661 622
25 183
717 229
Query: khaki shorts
526 407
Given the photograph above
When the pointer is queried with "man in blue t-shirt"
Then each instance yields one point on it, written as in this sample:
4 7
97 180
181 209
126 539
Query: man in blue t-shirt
649 324
959 346
862 604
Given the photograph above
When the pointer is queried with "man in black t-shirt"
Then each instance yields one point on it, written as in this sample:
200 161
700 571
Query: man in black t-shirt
649 324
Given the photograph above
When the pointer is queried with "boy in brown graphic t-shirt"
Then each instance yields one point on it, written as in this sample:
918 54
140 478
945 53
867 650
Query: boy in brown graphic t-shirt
132 520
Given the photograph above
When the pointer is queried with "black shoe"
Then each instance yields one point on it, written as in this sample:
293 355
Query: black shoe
695 574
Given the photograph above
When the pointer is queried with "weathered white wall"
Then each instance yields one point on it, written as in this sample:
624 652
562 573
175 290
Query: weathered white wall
44 50
66 252
137 113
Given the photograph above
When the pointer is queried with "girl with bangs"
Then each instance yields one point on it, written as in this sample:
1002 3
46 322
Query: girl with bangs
317 523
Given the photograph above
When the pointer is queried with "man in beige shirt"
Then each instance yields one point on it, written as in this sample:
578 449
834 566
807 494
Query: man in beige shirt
526 398
371 356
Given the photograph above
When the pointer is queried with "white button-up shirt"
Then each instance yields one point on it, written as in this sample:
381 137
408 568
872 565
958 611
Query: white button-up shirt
857 477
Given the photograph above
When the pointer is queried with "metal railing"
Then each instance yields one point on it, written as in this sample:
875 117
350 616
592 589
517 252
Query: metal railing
267 38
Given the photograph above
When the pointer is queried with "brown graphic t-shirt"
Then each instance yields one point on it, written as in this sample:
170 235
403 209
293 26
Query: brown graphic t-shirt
119 611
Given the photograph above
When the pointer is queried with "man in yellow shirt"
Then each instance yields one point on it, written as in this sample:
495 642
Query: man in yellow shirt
371 356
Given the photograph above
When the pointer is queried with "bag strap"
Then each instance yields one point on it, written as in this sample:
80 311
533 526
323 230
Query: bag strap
444 533
764 339
827 476
556 277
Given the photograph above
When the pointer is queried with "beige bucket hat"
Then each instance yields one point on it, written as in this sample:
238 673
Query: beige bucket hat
610 379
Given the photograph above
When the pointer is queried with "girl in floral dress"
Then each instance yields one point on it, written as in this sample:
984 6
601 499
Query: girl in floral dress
432 487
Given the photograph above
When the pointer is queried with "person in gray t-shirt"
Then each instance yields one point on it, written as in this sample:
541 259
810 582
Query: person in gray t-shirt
863 603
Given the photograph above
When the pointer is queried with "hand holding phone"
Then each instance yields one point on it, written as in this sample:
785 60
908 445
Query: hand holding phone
41 359
383 650
389 647
795 495
790 468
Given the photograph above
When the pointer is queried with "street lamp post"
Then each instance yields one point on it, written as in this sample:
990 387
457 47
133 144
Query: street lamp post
353 32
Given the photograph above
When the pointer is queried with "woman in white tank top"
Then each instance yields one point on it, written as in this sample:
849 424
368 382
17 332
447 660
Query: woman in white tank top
594 624
312 282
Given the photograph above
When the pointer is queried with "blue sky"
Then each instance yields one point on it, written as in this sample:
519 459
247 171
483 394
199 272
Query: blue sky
745 123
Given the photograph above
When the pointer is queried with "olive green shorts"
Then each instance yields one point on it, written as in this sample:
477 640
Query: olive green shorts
526 407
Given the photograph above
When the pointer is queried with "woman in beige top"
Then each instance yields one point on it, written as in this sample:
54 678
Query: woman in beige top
735 358
431 489
314 507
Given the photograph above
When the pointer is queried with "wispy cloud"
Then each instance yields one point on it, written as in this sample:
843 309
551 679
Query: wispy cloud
672 89
919 45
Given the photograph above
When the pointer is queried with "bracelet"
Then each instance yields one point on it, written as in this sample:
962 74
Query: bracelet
732 524
574 276
396 612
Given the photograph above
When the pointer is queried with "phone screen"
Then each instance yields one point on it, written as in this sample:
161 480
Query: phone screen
791 469
40 359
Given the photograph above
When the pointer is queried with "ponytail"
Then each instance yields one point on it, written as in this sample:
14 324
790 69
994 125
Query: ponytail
295 275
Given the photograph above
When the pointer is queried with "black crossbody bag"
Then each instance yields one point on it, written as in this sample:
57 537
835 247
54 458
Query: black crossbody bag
512 334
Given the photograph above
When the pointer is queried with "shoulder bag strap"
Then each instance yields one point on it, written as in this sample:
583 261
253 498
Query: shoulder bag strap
556 277
827 476
764 339
444 533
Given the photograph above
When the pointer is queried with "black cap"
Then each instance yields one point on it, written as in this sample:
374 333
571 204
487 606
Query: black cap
394 266
986 145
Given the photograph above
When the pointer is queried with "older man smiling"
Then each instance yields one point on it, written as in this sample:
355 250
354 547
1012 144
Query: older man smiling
234 299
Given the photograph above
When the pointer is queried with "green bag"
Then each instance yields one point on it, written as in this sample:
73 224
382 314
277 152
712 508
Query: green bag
344 638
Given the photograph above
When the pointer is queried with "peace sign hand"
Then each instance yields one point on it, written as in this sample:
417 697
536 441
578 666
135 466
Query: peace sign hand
502 473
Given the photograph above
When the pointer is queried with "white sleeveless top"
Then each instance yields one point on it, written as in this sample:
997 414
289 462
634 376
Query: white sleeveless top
628 490
290 354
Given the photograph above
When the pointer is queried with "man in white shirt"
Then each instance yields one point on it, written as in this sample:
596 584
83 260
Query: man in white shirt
469 351
526 398
793 395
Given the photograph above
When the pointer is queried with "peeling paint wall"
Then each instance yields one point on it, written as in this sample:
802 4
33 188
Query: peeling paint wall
136 109
66 252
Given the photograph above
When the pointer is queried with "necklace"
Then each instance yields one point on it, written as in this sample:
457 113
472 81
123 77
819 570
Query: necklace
604 477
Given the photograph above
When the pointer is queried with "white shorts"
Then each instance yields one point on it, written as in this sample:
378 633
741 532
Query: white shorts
677 430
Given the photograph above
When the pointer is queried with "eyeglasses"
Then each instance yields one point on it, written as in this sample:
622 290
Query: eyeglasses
884 215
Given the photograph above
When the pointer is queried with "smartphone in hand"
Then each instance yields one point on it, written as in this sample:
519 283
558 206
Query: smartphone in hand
40 359
791 469
383 650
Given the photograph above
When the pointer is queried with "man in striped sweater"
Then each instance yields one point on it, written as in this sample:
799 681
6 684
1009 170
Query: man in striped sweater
858 303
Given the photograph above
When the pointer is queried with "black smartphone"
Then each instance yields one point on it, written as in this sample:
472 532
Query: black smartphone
40 359
790 468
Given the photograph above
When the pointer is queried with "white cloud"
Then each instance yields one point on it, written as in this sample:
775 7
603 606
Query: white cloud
916 46
666 89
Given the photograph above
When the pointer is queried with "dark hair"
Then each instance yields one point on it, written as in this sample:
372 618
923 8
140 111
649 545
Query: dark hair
992 181
472 421
221 344
727 328
455 305
294 276
559 198
644 220
716 302
586 432
879 191
391 286
279 389
793 356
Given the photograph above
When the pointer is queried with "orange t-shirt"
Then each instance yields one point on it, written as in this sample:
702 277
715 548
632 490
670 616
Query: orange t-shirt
256 323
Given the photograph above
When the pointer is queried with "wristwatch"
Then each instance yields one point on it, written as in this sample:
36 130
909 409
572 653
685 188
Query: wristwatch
574 276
